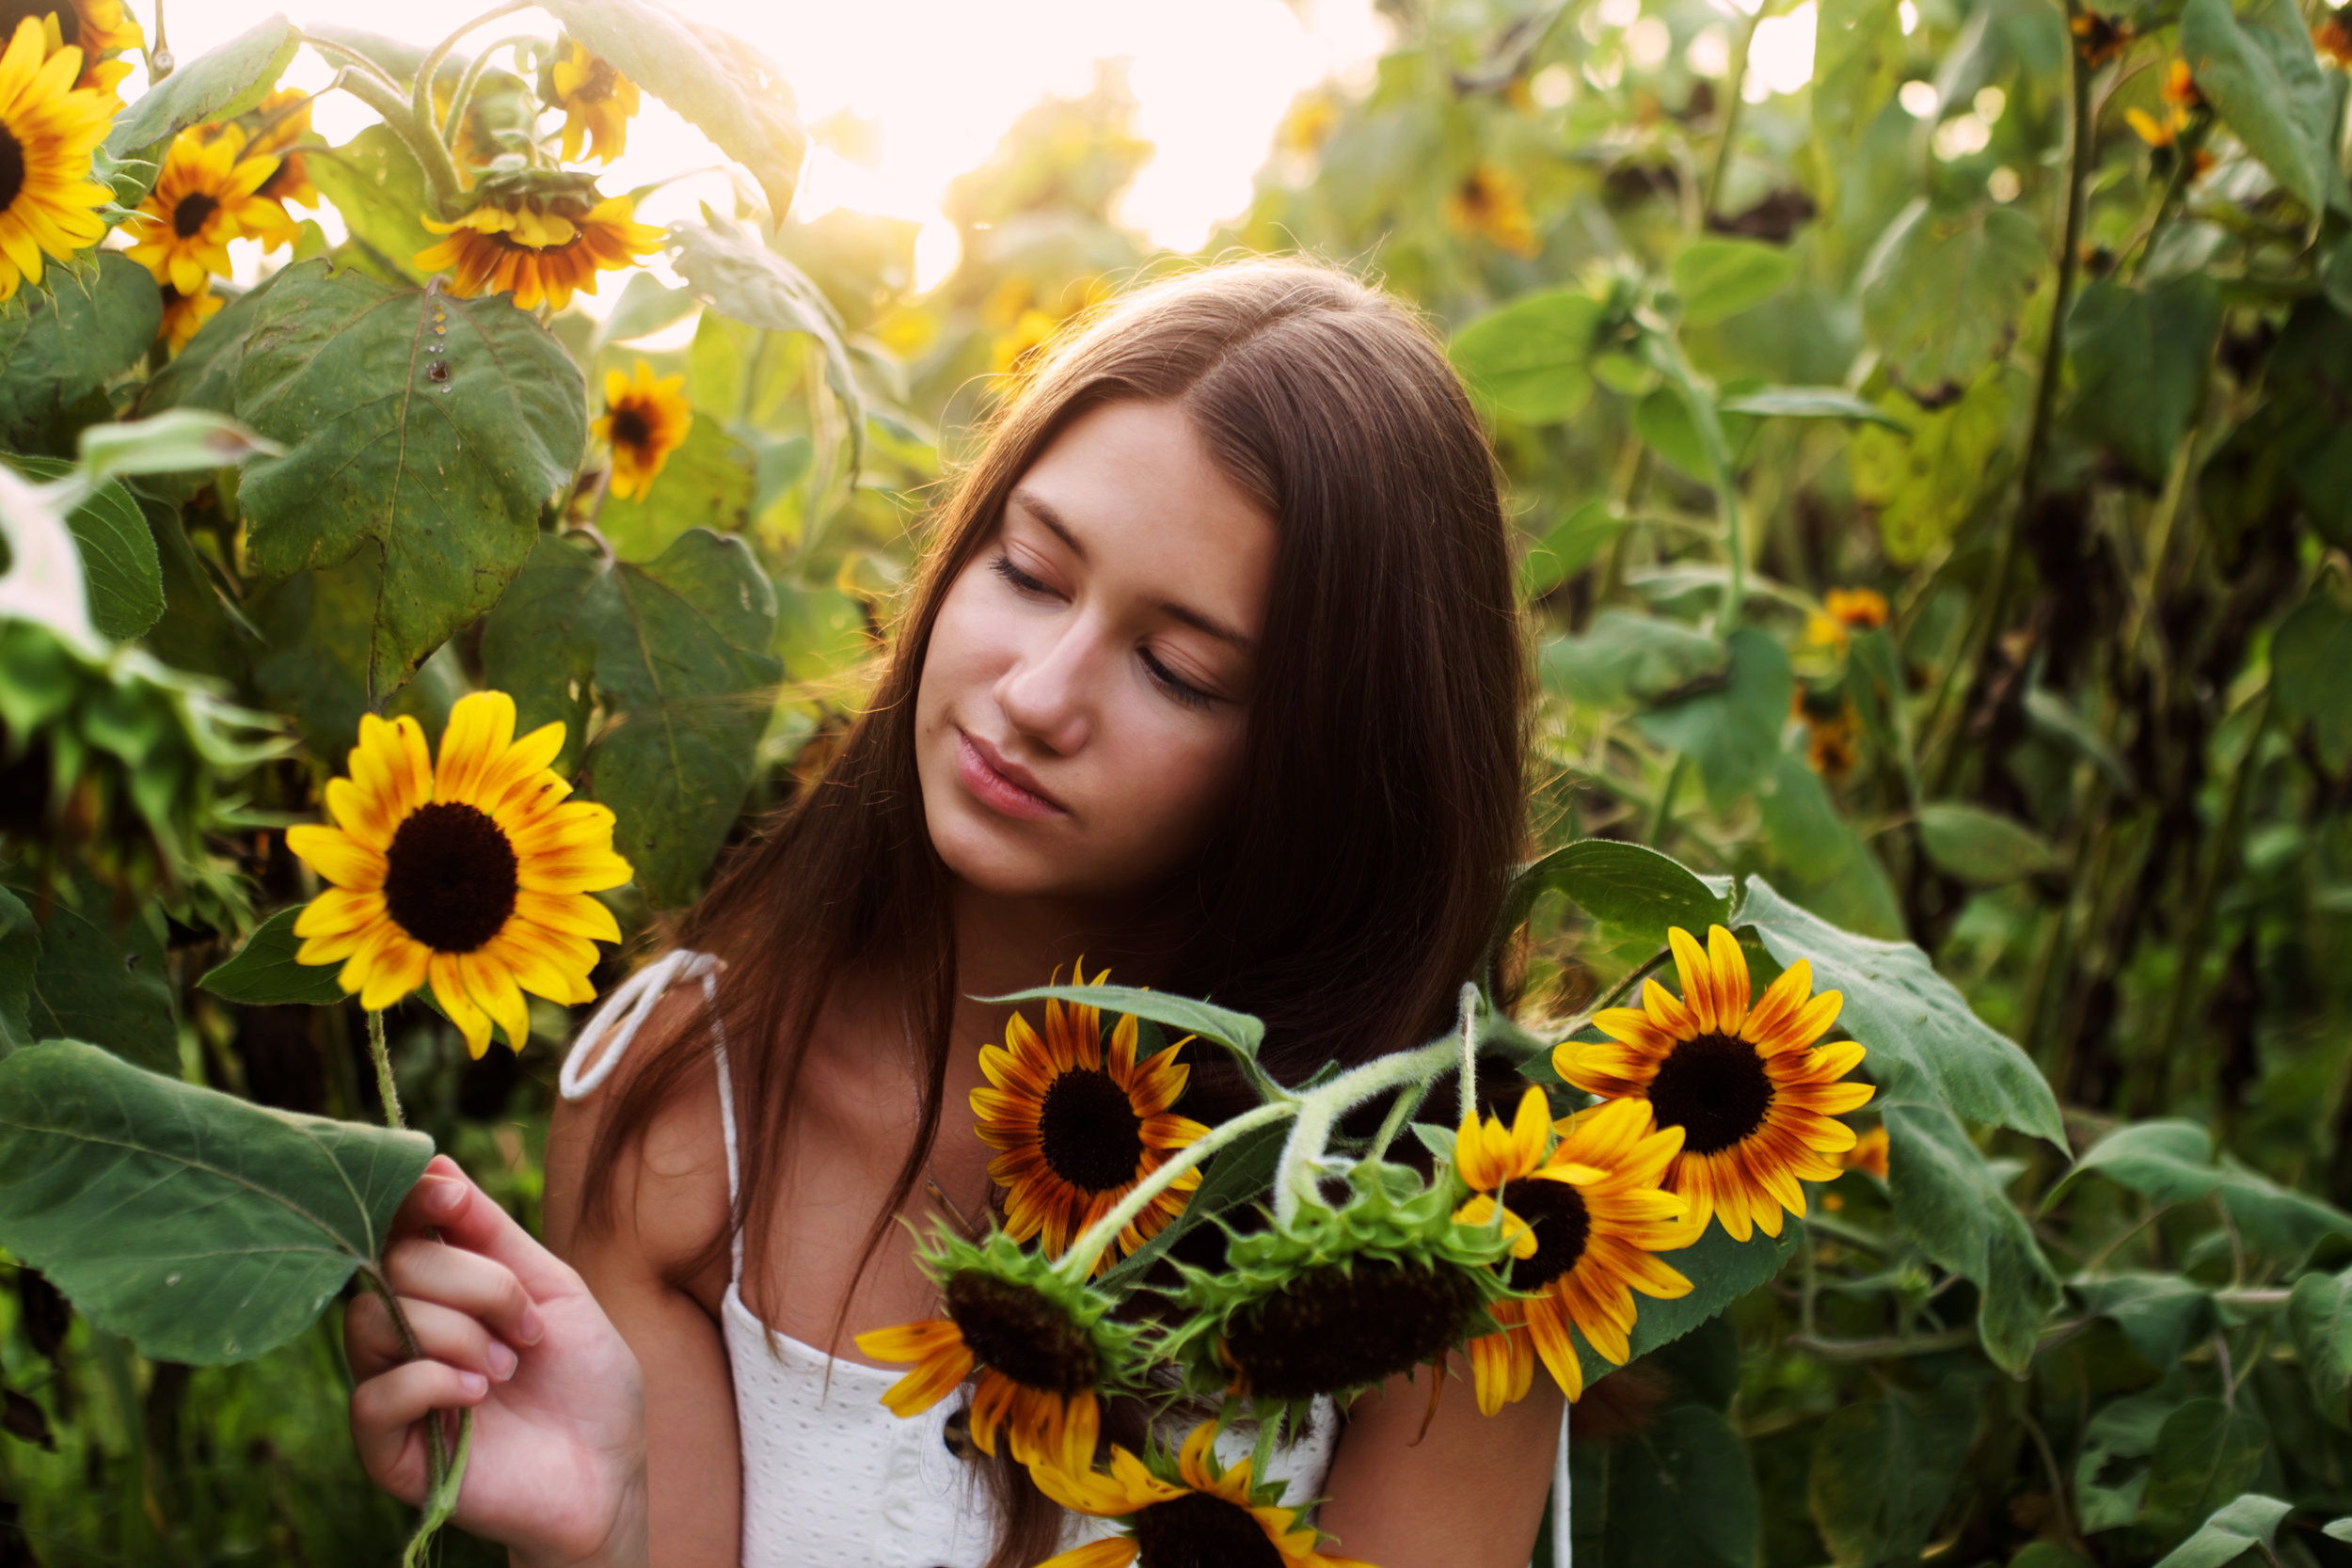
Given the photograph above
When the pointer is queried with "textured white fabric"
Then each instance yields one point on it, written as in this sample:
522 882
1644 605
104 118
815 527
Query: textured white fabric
830 1478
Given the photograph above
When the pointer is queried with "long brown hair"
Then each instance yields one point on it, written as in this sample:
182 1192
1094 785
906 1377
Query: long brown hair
1352 883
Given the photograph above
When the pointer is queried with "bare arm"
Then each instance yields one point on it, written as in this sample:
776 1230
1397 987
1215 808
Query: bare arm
667 1202
1468 1493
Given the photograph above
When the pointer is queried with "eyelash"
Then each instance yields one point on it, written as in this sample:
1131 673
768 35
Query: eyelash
1177 689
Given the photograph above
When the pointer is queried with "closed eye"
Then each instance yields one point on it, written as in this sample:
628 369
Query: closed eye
1173 684
1021 580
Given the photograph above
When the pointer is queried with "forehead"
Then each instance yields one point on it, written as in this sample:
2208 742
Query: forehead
1139 497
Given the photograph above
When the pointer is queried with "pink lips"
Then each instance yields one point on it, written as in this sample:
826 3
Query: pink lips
1001 783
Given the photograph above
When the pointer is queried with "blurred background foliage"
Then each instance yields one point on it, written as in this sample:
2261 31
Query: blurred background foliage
1932 485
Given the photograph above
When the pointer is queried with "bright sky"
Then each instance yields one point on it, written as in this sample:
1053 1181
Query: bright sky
942 79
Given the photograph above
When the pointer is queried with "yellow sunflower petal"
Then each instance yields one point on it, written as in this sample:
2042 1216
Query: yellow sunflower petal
449 989
337 856
481 727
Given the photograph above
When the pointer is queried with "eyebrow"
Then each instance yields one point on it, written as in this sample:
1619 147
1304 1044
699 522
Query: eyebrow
1029 501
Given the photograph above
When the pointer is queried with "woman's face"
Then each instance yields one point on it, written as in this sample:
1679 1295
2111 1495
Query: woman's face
1084 700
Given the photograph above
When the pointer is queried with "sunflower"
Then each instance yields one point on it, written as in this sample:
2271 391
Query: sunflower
645 420
1754 1098
2332 36
101 29
539 247
597 102
1585 1223
473 874
2182 101
1193 1516
48 129
1844 611
280 123
1043 1347
205 196
1491 203
2099 39
1079 1132
184 314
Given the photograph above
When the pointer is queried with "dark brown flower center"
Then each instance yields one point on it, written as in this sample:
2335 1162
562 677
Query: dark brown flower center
282 177
1088 1131
11 168
1345 1325
630 427
1715 1089
449 877
188 214
1021 1335
1555 1212
1197 1531
598 86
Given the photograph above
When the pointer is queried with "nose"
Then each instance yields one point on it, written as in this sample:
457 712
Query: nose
1049 691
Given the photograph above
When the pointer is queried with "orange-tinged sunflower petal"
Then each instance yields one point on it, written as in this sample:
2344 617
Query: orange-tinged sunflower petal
449 989
1112 1551
1546 1326
1731 978
495 991
1781 999
481 727
932 1380
1698 980
337 856
338 911
397 969
575 914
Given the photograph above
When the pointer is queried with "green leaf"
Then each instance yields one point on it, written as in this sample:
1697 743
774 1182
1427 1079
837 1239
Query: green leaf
2171 1162
2309 655
1941 295
1531 360
1568 549
725 88
2337 1530
705 483
1634 888
646 306
66 340
2124 1429
98 983
201 1226
1720 1270
1732 732
1882 1469
1922 1039
122 577
2256 67
375 182
1927 483
2054 718
439 481
1976 846
2319 1321
2139 364
20 961
1952 1203
1664 422
2161 1314
1634 1500
677 650
1719 278
1625 655
1810 403
220 84
1236 1032
731 271
266 972
2207 1453
2235 1528
1239 1173
179 441
1832 871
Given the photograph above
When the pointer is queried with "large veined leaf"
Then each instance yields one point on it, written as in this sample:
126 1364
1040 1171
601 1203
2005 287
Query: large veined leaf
220 84
1923 1041
1237 1032
2123 1429
2235 1529
1978 846
1532 359
1628 886
64 340
424 430
1624 654
122 576
1926 483
1832 870
1882 1470
674 650
1634 1499
2161 1314
2319 1321
2139 364
264 972
2207 1453
1719 278
1941 295
1859 60
375 185
1569 547
2171 1161
1951 1201
726 88
1733 731
2256 67
1810 403
100 982
202 1227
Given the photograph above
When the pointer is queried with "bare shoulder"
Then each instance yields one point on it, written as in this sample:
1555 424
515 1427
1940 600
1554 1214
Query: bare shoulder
669 1193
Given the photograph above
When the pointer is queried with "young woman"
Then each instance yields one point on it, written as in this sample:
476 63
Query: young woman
1210 674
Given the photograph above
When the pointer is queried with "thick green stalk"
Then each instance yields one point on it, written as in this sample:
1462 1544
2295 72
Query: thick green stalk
385 1090
1733 113
1468 1069
1318 1109
370 85
420 94
1078 1263
461 99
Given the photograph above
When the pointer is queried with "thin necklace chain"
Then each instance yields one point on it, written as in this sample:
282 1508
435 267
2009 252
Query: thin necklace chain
931 1175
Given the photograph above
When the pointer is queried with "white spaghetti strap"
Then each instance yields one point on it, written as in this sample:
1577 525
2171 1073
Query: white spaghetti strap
623 1013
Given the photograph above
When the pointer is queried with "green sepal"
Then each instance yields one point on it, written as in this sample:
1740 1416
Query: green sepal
1001 1258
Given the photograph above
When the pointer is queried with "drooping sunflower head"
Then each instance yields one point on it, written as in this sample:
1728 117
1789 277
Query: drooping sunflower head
538 237
645 420
1333 1300
206 195
184 314
1043 1348
472 872
101 29
1754 1095
597 99
1586 1224
1185 1510
48 129
1079 1126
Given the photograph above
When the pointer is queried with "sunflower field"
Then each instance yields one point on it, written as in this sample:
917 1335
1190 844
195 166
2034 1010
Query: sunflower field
1933 481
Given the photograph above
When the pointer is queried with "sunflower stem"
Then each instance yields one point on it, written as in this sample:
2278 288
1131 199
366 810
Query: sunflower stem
386 1090
1408 1099
1318 1109
1469 1097
1077 1264
462 100
420 95
436 1440
370 85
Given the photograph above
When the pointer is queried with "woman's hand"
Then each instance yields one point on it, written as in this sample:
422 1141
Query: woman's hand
558 1467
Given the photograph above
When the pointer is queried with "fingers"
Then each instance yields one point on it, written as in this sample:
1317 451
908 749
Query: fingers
468 1217
372 1344
384 1411
466 1283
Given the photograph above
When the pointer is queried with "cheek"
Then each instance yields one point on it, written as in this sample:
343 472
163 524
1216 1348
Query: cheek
1179 778
965 649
